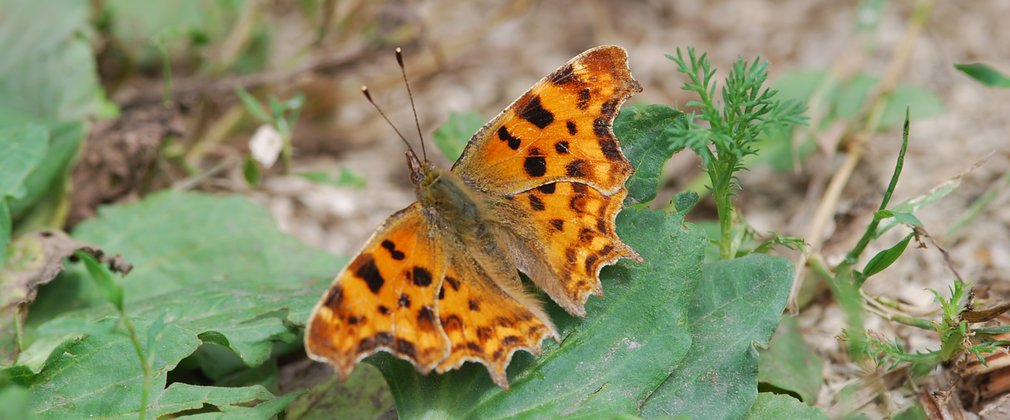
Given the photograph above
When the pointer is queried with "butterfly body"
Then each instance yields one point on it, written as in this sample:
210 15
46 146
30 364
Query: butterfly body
537 189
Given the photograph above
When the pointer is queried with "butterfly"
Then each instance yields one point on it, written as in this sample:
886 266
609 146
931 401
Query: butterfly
537 189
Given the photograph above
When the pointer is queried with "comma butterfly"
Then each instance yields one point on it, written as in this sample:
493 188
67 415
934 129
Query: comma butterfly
537 188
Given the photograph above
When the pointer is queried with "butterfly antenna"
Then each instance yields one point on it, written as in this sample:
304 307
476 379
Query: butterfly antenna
403 71
364 89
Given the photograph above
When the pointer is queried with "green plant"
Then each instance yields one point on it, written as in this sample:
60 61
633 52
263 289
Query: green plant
747 110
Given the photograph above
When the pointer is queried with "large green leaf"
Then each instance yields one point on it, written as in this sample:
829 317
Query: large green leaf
774 406
737 305
96 371
244 294
608 362
48 69
643 135
47 179
789 364
187 241
22 148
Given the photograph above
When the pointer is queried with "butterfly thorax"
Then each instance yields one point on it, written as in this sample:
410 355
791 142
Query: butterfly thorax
448 199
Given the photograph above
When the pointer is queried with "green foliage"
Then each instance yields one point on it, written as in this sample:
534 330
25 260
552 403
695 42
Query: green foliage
736 306
452 136
278 114
346 178
194 284
775 406
645 130
984 74
24 148
733 127
790 365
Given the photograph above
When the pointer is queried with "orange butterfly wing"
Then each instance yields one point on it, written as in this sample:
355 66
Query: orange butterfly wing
385 299
558 131
571 234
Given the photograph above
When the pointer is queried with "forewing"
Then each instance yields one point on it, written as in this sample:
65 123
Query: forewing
558 131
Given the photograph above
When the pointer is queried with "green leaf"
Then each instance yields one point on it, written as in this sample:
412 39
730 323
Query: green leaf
606 363
48 71
14 403
737 305
5 231
790 365
984 74
345 179
182 27
643 132
920 102
96 372
23 147
251 171
253 106
363 396
232 402
885 258
776 406
103 279
188 241
48 178
452 136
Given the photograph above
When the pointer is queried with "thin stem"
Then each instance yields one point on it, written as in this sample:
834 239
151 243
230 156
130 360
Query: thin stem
143 362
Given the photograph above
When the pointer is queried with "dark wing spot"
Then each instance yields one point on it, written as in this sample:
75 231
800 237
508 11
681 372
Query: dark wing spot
498 354
576 168
421 276
404 347
426 318
571 128
452 323
583 102
570 256
580 188
404 301
383 310
608 107
601 225
563 76
535 113
536 203
365 269
590 262
474 347
535 166
586 235
601 127
502 322
441 293
353 320
561 147
504 135
452 282
391 247
610 149
473 304
577 203
547 188
606 250
333 297
510 341
383 339
485 333
558 224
